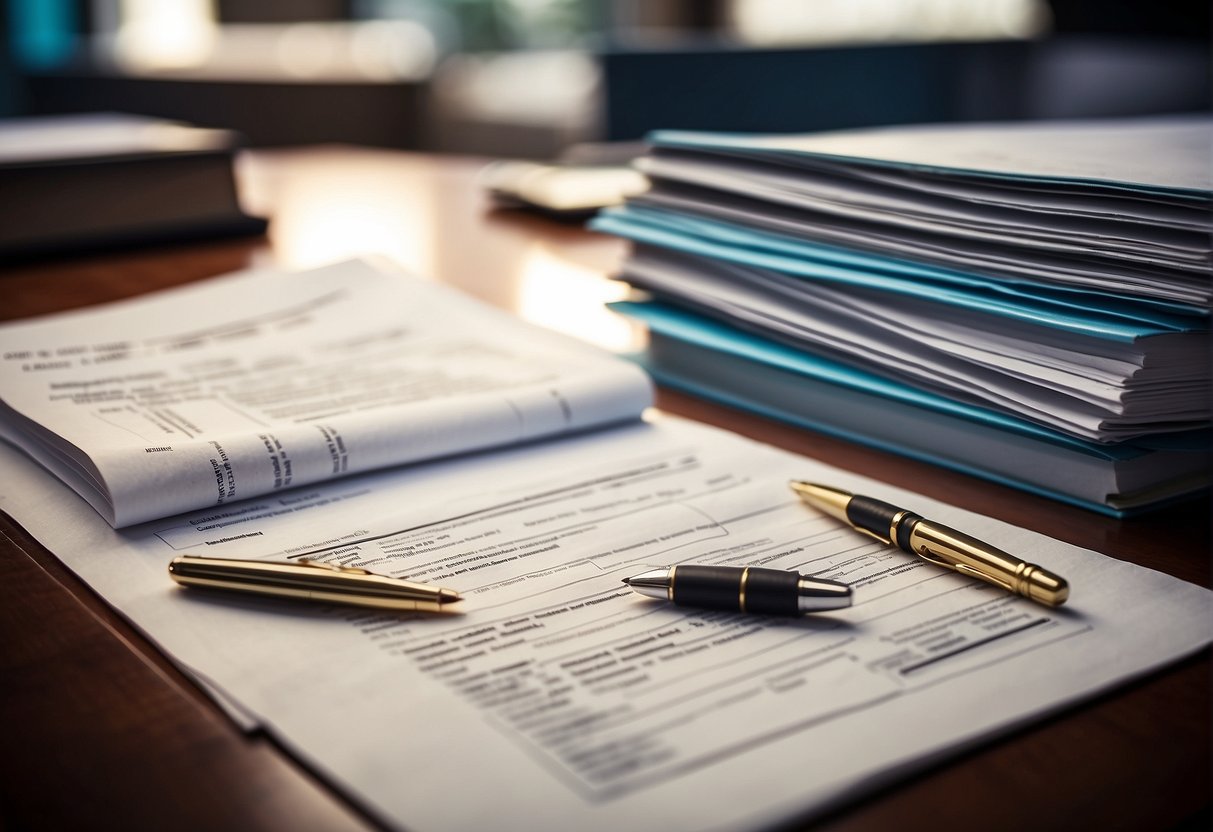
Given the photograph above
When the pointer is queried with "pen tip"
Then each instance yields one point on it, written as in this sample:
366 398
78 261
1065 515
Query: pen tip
627 581
448 596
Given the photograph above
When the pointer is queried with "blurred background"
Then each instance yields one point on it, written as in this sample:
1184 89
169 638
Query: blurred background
529 78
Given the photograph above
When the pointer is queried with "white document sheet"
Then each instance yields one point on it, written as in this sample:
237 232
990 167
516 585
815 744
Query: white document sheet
260 381
561 700
905 345
1033 267
1155 155
918 212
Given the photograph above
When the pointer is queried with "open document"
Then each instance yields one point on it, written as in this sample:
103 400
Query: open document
560 699
261 381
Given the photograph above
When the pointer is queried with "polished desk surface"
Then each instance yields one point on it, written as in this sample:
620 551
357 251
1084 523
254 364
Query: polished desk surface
99 730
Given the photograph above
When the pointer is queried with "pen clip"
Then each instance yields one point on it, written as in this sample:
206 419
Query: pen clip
963 568
332 567
936 558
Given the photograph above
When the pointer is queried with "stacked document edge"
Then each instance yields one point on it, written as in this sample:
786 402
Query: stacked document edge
1088 339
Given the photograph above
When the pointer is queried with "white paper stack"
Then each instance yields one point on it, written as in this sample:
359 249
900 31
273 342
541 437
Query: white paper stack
1053 273
1119 207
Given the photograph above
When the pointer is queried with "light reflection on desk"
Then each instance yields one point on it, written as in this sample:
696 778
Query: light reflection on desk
572 298
359 207
428 216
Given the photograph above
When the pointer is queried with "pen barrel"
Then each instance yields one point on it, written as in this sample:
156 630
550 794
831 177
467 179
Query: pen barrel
309 581
749 589
957 551
882 520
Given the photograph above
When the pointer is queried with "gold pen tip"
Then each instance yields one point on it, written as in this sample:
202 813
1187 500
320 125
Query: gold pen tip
806 487
832 501
448 596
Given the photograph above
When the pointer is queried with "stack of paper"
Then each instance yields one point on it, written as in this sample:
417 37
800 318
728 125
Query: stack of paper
248 385
1048 281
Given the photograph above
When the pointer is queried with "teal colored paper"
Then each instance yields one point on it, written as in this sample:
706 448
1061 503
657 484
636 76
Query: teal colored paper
862 439
1169 315
726 241
704 332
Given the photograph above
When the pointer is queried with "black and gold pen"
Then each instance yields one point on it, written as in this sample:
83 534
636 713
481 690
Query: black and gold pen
742 589
936 543
312 581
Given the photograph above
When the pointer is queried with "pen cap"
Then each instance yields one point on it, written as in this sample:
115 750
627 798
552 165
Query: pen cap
951 549
1043 586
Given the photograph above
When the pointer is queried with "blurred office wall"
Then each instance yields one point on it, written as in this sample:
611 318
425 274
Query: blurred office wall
802 65
530 77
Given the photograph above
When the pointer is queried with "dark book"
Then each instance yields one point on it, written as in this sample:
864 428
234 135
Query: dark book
77 182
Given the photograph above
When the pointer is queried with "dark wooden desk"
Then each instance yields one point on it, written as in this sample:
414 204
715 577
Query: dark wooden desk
98 730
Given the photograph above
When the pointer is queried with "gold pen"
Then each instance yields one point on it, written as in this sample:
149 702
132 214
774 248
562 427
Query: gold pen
312 581
936 543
